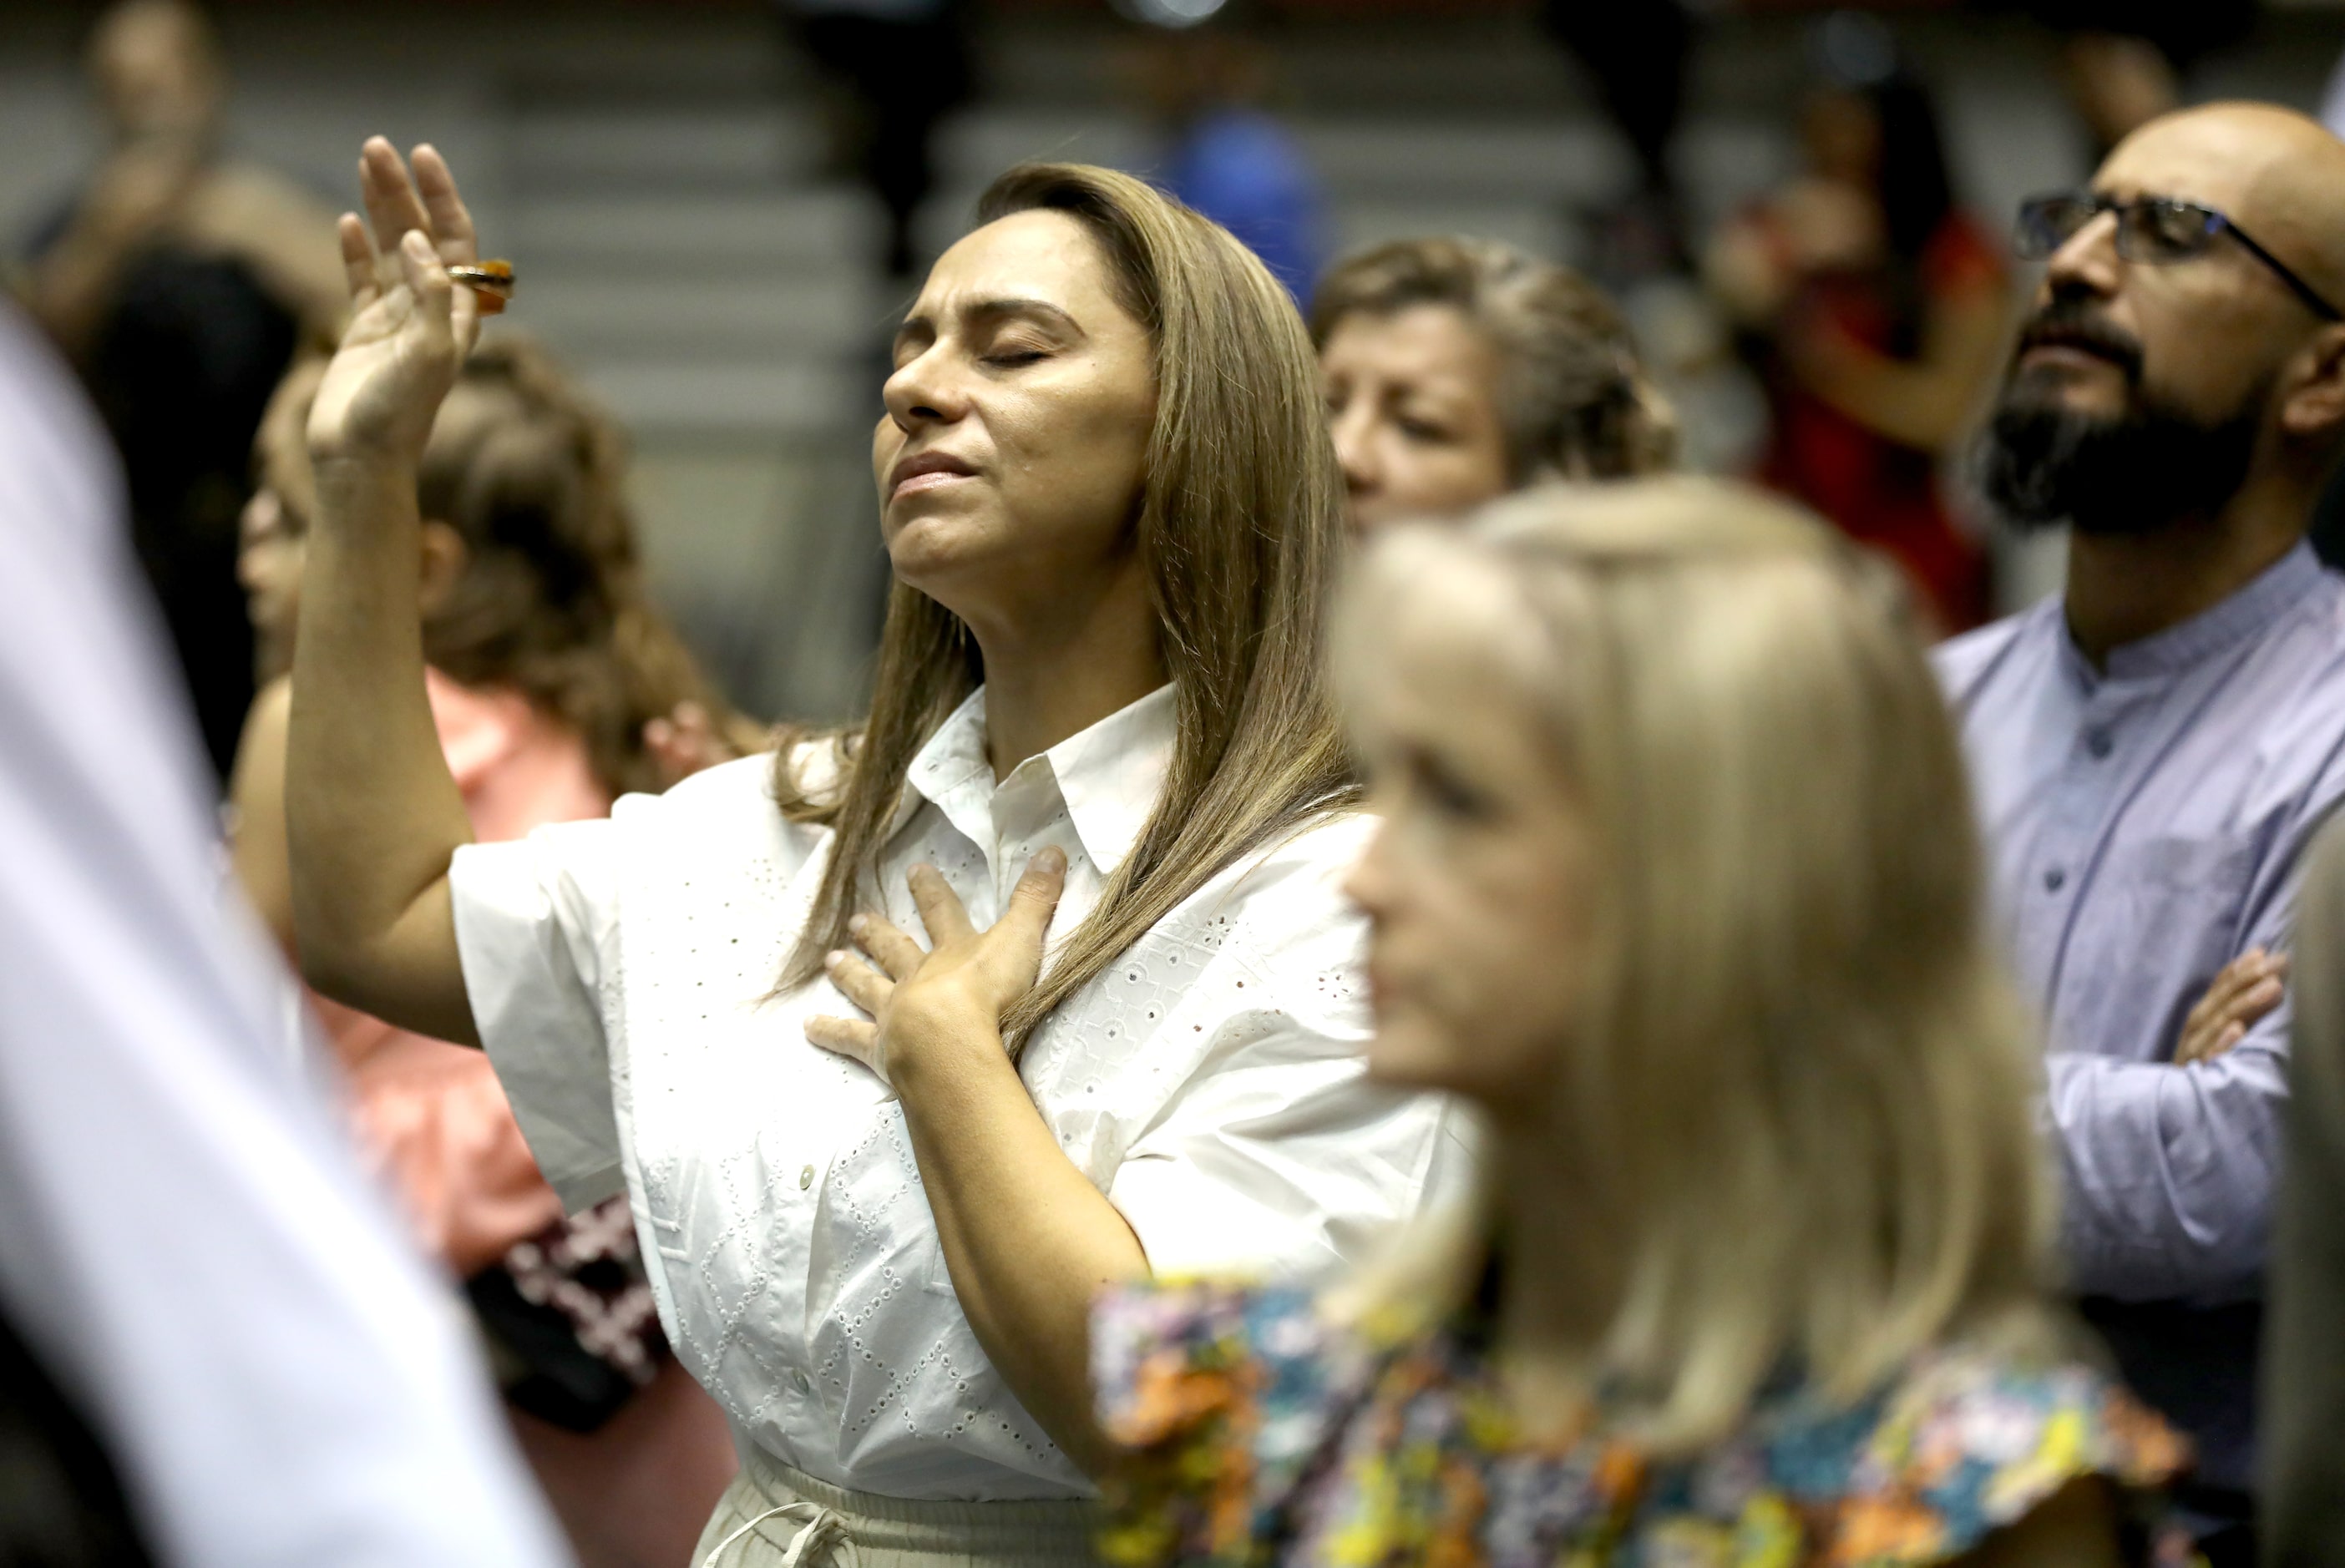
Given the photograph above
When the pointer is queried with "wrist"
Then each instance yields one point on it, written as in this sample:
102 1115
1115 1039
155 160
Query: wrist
349 478
941 1045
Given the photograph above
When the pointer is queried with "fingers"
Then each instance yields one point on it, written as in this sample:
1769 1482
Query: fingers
848 1037
2224 991
941 907
392 206
450 225
857 981
360 264
452 221
1037 894
898 953
434 295
2246 992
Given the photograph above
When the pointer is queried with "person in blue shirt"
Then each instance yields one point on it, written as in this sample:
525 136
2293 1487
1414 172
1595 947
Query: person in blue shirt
2153 748
1231 159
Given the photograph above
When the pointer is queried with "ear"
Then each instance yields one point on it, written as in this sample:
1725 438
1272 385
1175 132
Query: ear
2314 409
444 558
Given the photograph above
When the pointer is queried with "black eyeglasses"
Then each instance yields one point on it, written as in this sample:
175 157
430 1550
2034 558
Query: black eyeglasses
2154 229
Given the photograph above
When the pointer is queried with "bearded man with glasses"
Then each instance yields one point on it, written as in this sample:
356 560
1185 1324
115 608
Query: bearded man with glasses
2152 749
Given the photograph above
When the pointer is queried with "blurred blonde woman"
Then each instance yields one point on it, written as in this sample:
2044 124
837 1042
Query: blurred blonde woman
1675 880
1459 369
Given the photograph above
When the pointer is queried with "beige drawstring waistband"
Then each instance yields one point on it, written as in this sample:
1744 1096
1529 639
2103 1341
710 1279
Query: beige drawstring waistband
820 1530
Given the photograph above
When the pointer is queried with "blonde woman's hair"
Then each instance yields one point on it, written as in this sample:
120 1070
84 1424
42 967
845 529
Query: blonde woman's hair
1792 1124
1574 399
1240 526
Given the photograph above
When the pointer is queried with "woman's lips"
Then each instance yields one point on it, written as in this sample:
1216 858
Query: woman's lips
926 470
935 478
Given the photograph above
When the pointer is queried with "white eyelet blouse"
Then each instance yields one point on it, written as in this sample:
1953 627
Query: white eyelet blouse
1210 1082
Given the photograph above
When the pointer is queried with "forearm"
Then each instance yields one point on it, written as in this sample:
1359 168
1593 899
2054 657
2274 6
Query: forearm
1926 402
1915 405
2168 1172
257 851
1030 1241
72 284
372 815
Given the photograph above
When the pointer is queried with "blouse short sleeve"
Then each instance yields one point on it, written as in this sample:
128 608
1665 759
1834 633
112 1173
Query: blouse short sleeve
1286 1163
1968 1444
1219 1396
536 926
1277 1160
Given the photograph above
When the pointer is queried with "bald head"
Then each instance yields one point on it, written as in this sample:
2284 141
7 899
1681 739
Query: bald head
2278 174
2171 366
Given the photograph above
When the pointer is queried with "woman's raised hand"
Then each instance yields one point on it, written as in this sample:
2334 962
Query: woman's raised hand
410 327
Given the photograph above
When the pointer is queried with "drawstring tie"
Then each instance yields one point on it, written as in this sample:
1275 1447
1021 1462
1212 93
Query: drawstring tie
820 1530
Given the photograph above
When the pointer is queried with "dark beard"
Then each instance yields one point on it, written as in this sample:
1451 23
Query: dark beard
2152 466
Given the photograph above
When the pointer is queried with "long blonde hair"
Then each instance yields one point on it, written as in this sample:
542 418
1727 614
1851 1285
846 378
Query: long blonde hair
1794 1116
1240 527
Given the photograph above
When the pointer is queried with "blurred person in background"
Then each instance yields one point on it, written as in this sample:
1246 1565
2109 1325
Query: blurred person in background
896 68
1226 154
2153 747
1673 879
881 1180
1637 57
546 668
1874 308
1458 369
2303 1463
188 1257
2123 61
179 282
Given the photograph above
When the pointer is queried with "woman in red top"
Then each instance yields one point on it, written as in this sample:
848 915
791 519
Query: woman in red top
1876 308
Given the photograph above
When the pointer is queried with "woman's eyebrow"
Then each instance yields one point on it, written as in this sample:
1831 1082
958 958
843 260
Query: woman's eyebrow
922 328
1040 311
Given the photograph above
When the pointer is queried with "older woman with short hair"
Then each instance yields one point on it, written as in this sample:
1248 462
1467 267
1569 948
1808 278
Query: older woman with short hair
1459 369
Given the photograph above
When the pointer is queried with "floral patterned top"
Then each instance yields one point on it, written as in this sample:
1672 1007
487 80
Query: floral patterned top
1259 1434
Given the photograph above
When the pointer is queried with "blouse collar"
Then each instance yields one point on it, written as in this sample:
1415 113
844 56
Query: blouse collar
1108 777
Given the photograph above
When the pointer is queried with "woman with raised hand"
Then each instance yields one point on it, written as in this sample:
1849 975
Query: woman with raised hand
1460 369
881 1179
1675 878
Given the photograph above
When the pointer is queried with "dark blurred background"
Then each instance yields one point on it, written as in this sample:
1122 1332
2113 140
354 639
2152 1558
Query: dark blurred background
691 191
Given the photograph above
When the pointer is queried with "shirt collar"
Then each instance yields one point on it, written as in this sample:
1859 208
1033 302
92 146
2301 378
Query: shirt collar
2268 596
1108 776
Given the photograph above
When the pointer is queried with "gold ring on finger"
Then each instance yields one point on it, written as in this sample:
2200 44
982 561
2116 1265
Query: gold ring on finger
491 281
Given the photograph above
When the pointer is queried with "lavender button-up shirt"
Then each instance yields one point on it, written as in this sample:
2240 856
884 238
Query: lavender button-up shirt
2146 824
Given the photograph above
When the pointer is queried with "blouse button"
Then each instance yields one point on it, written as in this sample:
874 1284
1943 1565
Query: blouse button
799 1381
806 1179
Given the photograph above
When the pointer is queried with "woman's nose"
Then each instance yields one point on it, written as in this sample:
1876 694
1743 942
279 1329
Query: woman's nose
1367 883
1353 431
923 390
